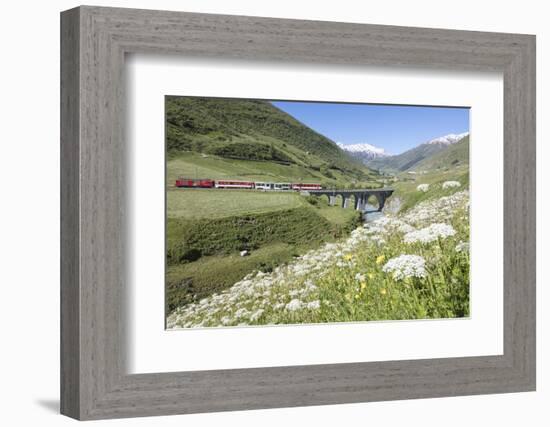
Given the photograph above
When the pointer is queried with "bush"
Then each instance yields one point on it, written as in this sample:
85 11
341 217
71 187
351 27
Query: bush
313 200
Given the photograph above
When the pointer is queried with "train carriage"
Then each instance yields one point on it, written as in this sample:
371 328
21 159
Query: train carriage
264 185
282 186
306 187
234 184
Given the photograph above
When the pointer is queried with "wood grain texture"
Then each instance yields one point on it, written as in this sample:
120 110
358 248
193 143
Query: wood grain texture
94 382
70 292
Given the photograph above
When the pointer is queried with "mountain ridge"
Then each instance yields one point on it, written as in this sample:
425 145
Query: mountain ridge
448 139
410 159
363 151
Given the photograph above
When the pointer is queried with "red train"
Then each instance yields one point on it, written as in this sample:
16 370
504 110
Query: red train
231 183
190 183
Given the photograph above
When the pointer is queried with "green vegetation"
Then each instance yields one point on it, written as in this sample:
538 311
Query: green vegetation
253 130
407 160
197 165
204 240
413 266
196 204
406 189
455 156
190 282
249 151
190 239
448 164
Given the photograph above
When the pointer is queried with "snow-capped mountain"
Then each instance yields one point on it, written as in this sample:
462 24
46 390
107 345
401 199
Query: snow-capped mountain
448 139
363 152
411 158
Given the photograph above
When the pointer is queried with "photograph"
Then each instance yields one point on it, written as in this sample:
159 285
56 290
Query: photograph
291 212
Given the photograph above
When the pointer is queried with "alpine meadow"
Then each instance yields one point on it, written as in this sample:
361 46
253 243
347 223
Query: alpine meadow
289 212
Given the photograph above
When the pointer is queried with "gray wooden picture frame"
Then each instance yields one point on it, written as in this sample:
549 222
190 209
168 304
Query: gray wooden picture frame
94 382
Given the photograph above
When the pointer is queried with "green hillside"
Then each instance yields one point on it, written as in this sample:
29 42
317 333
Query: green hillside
206 230
200 165
426 156
407 160
254 130
454 156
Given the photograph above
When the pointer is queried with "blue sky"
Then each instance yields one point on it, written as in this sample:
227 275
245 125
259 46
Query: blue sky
395 128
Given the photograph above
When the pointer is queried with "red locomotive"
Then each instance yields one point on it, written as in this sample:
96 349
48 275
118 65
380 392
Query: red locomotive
194 183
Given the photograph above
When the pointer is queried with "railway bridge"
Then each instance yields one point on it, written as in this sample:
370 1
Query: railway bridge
360 195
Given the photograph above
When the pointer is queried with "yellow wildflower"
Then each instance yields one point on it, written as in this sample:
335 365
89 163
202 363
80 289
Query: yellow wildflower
348 257
357 296
383 291
371 276
380 259
363 285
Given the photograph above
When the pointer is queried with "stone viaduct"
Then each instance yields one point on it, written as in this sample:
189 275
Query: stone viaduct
360 195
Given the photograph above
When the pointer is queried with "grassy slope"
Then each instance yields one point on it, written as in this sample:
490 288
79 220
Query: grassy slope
450 164
456 155
211 203
406 190
196 165
253 130
407 160
207 228
214 273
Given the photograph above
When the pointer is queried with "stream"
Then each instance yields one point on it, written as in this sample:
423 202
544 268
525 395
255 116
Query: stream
370 213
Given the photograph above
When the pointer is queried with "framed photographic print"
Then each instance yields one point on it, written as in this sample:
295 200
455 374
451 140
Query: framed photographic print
261 213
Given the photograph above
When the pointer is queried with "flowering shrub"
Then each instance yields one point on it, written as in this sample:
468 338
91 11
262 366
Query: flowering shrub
384 270
423 187
430 233
450 184
294 305
406 266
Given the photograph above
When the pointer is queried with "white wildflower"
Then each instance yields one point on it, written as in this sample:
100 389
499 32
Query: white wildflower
241 312
405 266
294 305
430 233
313 305
310 286
405 228
360 277
256 315
423 187
450 184
379 240
462 247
